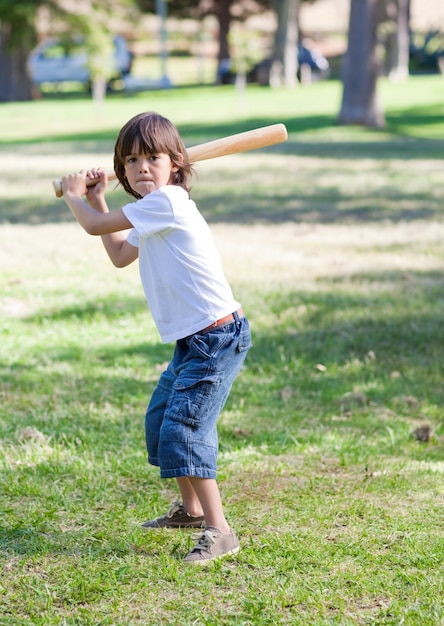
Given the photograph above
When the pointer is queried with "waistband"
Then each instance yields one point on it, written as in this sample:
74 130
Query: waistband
224 321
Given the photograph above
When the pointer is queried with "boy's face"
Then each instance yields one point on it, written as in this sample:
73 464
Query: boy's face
147 172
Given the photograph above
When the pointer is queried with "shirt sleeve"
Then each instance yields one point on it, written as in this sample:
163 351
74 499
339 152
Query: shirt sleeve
151 214
133 238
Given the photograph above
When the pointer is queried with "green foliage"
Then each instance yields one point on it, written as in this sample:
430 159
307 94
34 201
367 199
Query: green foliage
99 44
191 8
245 47
20 19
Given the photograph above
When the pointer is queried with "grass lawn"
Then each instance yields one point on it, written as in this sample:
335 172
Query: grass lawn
332 441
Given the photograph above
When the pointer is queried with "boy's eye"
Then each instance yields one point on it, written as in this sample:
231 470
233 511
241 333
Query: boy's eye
133 159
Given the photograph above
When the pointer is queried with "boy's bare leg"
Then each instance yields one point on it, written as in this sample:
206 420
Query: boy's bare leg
190 499
207 493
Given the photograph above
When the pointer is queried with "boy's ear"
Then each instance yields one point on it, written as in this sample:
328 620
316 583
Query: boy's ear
177 163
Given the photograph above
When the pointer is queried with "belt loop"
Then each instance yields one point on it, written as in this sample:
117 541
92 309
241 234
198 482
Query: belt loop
236 317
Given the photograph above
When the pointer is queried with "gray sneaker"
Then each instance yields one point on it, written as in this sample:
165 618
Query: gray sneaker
176 517
212 544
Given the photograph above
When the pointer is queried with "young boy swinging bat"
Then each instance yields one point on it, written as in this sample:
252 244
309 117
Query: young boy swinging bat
192 305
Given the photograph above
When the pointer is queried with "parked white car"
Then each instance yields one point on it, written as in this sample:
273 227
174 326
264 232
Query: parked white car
55 62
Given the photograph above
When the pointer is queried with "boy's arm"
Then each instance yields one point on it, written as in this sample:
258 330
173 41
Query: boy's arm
96 219
119 250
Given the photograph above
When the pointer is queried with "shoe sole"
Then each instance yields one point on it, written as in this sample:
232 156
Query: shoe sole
214 558
148 528
179 527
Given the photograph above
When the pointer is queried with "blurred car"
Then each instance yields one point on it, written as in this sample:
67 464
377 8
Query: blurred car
313 58
57 61
426 52
318 64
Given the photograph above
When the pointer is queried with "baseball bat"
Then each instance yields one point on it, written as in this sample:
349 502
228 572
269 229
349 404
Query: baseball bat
233 144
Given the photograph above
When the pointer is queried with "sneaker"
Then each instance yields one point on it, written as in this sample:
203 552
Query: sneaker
212 544
176 517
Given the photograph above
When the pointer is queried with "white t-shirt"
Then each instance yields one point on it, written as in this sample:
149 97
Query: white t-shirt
180 268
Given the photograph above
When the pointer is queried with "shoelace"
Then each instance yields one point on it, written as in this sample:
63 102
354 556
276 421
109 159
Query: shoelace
205 540
176 506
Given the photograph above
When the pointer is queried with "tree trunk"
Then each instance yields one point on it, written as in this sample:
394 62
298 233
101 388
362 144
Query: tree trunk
223 60
284 64
360 103
399 61
15 84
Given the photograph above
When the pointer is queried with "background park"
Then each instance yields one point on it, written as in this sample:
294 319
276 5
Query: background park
332 442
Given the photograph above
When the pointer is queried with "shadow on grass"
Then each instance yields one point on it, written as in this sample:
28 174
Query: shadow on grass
26 210
398 122
29 541
294 202
399 323
418 117
327 207
387 343
393 142
374 361
192 134
110 308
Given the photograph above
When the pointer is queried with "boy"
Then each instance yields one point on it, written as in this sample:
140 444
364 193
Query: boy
191 303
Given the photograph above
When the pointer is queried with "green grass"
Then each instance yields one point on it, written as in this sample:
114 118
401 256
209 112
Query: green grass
333 242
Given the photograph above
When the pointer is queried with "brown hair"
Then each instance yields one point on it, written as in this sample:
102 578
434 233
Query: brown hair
152 134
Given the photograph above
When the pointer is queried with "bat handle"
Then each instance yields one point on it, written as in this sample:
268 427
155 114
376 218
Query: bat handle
57 183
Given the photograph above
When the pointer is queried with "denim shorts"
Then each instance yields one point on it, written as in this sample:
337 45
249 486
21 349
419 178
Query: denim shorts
180 422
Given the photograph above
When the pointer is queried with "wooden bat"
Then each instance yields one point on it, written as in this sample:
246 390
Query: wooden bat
241 142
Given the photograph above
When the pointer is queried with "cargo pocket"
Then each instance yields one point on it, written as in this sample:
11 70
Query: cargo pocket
191 400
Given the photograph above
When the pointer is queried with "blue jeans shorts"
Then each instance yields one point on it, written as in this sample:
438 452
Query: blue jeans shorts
180 422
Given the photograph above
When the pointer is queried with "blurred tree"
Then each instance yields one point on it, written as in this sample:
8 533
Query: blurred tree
93 24
284 56
395 27
360 103
284 65
100 49
282 68
224 10
18 36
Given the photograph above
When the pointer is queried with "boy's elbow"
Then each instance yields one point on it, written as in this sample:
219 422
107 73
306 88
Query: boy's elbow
94 224
88 226
93 228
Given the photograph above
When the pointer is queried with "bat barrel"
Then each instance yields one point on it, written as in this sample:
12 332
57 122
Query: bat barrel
241 142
